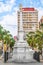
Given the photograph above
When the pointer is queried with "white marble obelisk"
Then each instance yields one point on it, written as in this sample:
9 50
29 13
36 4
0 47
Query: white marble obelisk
21 32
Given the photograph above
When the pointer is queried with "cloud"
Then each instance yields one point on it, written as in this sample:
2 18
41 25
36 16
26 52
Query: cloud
11 19
9 22
6 6
11 28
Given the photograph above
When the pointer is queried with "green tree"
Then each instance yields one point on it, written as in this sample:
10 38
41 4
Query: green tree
5 36
35 39
39 39
1 33
31 39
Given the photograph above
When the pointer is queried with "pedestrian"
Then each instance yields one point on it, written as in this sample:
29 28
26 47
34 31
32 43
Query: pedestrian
38 56
5 51
8 51
35 55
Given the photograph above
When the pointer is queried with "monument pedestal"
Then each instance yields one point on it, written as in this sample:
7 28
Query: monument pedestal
22 52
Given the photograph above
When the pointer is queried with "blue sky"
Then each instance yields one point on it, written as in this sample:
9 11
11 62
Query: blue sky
8 12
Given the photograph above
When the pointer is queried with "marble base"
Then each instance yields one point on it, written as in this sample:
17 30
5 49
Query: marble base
22 53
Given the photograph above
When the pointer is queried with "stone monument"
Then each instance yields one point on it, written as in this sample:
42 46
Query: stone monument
22 51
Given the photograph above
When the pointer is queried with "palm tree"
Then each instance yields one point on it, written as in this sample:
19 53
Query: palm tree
35 39
5 36
39 39
31 39
8 38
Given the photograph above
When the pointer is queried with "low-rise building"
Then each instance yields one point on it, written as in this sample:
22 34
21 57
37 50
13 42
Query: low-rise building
41 23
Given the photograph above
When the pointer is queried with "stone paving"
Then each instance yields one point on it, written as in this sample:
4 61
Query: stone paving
12 63
9 62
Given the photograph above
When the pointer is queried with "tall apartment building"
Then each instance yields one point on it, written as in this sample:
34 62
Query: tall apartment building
29 19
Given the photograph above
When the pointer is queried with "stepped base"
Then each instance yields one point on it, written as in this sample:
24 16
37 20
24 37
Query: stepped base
22 52
24 60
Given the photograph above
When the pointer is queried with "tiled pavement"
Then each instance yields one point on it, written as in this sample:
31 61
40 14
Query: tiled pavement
10 60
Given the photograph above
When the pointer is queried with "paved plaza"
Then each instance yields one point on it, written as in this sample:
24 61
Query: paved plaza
20 63
13 63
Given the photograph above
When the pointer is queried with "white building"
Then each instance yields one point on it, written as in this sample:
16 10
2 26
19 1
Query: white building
29 18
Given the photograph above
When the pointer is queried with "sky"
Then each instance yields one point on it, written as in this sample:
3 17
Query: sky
8 12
